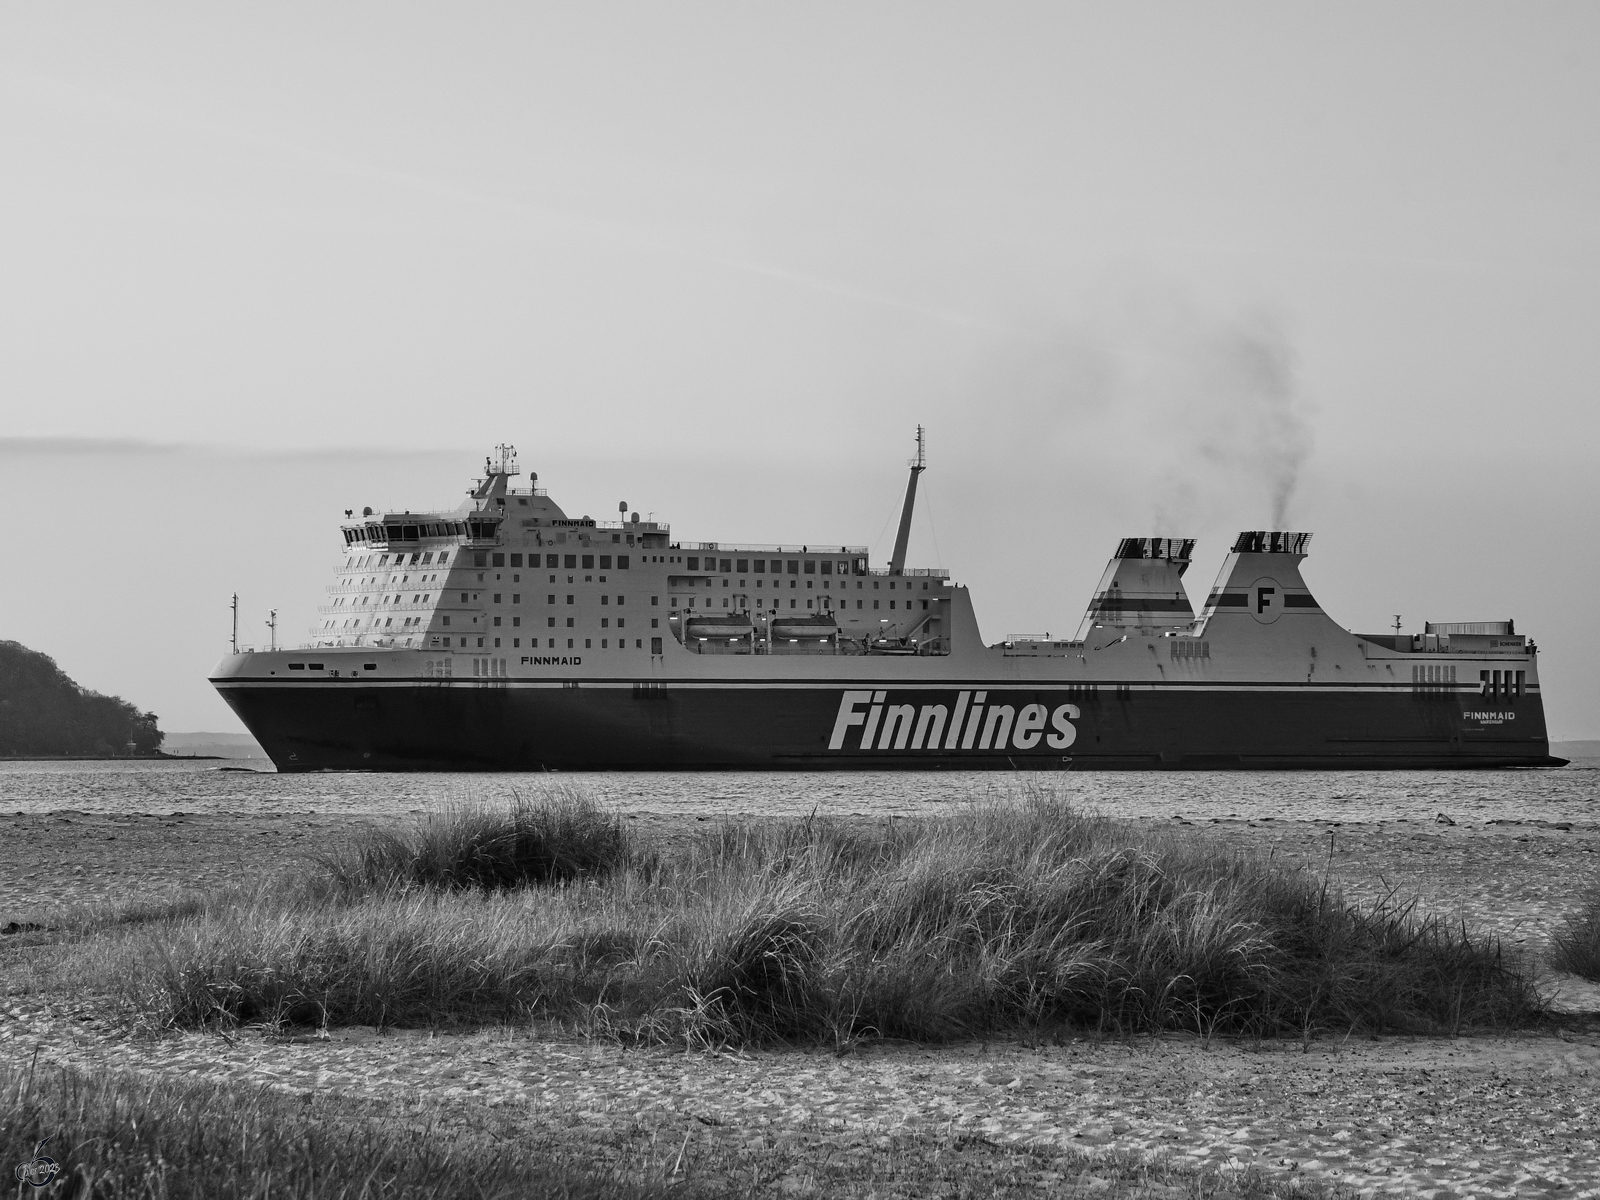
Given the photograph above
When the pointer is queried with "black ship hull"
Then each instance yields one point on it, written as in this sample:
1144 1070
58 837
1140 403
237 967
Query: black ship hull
617 725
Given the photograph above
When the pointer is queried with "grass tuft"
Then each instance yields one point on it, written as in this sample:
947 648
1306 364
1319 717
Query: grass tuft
1575 945
761 979
562 837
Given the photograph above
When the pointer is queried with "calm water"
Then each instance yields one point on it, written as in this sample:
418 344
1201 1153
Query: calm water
1564 794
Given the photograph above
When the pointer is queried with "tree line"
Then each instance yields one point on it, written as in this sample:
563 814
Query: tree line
42 711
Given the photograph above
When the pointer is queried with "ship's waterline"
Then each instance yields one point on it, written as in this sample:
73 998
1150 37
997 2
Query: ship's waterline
508 636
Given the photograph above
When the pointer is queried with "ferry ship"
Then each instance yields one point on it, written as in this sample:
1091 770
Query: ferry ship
507 635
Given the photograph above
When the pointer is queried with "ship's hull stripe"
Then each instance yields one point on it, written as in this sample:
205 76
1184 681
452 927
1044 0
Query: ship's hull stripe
1102 686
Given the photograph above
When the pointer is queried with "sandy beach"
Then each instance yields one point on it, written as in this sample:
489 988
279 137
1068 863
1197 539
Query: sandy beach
1501 1115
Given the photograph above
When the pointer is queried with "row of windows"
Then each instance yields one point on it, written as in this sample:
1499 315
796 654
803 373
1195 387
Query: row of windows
796 566
827 602
685 581
533 644
516 598
410 533
396 599
420 557
552 561
605 622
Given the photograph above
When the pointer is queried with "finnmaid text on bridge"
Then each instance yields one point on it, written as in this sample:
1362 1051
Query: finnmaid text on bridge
506 635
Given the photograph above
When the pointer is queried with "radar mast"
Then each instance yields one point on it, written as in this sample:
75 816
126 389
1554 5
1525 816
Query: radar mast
897 563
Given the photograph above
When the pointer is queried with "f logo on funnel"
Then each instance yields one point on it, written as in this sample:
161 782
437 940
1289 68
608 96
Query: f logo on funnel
1266 600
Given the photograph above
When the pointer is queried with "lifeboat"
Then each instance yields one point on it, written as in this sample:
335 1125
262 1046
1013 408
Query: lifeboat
723 628
807 628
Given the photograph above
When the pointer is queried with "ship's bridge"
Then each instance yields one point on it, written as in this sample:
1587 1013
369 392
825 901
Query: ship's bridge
392 530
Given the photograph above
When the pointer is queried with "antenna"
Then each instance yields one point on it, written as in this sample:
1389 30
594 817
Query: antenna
235 607
272 629
1397 624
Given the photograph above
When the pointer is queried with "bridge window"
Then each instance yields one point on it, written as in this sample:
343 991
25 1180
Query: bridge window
761 566
622 562
516 560
605 562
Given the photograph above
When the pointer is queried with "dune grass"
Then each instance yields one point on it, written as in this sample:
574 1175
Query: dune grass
562 838
120 1136
1575 945
998 918
125 1136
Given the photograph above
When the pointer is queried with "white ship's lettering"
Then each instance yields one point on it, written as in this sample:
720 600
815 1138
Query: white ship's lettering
872 719
1065 732
1502 714
974 715
886 725
955 725
586 524
847 717
552 661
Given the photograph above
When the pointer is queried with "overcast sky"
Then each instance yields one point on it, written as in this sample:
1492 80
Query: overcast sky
1174 268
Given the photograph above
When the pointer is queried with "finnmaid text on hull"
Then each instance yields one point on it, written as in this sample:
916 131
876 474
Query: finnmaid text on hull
506 635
